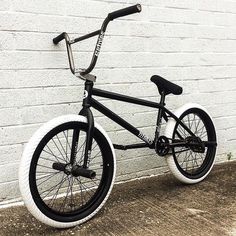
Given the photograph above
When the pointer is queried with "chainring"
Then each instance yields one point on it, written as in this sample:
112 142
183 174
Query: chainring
162 146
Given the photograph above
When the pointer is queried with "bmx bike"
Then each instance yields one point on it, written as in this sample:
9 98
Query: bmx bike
68 167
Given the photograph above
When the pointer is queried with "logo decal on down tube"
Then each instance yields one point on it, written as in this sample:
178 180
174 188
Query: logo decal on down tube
145 138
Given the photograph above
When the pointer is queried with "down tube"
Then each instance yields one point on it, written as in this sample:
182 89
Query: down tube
107 112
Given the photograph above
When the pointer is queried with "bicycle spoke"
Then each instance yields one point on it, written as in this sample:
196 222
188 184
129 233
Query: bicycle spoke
72 203
59 150
52 154
95 157
190 161
82 155
64 193
45 166
55 195
67 192
47 178
67 142
182 131
46 172
196 126
44 176
81 192
192 121
67 158
51 189
46 159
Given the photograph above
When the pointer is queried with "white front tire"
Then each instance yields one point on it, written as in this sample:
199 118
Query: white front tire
26 161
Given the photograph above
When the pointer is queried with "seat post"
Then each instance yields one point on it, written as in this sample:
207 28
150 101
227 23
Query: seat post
159 116
162 100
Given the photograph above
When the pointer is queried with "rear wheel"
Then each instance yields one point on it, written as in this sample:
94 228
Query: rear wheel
58 196
187 164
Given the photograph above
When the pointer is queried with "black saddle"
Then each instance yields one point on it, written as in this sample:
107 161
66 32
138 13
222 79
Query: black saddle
166 86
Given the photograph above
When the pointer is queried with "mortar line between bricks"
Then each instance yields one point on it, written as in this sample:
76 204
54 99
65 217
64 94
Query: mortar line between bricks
91 17
113 68
62 51
8 182
130 20
150 155
101 17
100 100
41 123
82 85
133 67
107 34
66 103
223 117
215 11
52 51
73 102
118 131
136 67
116 35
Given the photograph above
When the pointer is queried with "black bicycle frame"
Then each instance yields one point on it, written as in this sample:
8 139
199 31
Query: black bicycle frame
115 96
89 101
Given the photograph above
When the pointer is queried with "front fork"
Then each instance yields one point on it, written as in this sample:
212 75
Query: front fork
89 134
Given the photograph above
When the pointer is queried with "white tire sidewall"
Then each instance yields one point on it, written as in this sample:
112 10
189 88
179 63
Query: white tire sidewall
169 134
26 162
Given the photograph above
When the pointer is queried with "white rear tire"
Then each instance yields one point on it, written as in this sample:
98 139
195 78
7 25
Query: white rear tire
173 165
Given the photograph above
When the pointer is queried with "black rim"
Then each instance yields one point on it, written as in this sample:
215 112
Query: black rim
62 196
192 164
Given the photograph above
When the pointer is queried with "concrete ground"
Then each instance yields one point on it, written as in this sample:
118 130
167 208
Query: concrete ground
154 206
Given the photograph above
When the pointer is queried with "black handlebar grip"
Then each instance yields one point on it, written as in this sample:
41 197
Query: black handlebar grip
125 11
60 37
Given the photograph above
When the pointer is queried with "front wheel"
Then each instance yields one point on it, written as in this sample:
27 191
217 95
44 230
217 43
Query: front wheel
188 165
51 188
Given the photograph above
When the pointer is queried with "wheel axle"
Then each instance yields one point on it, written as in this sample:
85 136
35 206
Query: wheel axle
75 170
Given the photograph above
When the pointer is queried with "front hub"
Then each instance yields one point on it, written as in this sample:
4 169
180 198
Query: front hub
75 170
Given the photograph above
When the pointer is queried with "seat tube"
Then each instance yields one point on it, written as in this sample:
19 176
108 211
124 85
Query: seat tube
159 116
90 119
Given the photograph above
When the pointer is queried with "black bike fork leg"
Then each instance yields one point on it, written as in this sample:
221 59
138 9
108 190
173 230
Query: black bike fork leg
89 137
74 146
90 120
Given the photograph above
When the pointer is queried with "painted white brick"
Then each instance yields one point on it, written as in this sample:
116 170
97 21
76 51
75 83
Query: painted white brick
9 190
39 96
185 4
10 153
217 6
192 43
17 135
8 172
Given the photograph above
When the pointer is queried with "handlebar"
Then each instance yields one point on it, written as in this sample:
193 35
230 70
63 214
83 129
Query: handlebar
111 16
125 11
60 37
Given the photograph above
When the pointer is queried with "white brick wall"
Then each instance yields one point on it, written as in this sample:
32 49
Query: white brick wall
192 43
